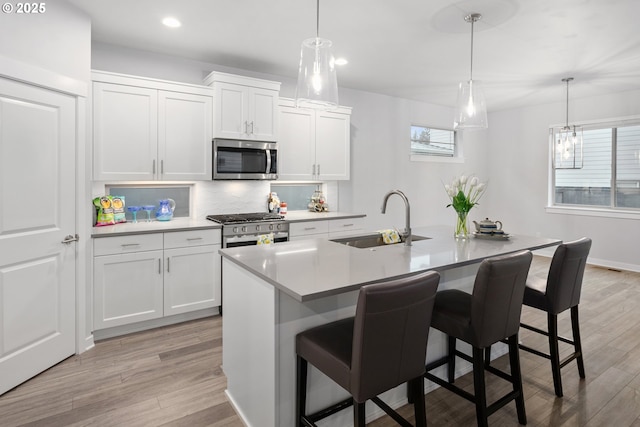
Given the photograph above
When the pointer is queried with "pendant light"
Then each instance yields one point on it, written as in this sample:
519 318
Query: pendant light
317 80
568 142
471 110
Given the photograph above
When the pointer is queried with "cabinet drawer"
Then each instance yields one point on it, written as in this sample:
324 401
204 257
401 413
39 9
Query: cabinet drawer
126 244
345 225
183 239
308 228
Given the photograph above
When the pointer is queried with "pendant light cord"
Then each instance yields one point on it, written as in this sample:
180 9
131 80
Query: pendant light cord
317 19
471 71
567 80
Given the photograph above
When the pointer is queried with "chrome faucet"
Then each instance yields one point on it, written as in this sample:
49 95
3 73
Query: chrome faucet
406 234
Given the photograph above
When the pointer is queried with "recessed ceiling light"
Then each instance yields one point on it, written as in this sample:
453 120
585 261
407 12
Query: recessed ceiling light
171 22
341 61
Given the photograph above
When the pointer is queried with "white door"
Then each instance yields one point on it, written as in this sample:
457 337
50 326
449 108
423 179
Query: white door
263 107
37 211
184 136
230 111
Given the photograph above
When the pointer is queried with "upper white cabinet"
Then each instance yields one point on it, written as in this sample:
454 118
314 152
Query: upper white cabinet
146 129
244 107
313 144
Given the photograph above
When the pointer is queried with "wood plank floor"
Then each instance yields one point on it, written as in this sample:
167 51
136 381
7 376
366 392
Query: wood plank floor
171 376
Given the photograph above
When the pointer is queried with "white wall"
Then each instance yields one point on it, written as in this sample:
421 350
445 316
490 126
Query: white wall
58 40
519 165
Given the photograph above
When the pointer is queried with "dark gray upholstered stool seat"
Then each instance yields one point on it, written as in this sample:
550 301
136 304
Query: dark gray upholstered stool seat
559 292
488 315
383 346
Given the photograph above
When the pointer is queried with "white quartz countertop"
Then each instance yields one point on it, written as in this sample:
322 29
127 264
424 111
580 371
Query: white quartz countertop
143 227
316 268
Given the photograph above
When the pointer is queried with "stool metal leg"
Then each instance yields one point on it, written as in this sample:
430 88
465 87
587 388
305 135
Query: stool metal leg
577 343
516 376
479 387
451 363
301 389
358 414
554 352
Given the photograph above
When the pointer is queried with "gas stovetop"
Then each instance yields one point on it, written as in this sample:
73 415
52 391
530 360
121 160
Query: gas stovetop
250 224
245 218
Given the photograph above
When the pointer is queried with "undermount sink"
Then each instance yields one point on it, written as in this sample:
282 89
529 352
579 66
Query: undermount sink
371 241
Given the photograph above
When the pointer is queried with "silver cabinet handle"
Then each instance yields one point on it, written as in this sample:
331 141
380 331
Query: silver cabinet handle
159 265
69 238
126 245
347 225
309 228
161 167
318 170
246 127
168 271
314 170
251 127
154 166
194 238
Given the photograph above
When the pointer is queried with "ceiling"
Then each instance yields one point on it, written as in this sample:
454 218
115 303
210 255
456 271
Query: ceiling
405 48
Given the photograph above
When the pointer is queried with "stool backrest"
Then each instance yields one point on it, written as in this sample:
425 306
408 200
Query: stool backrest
564 282
390 333
498 291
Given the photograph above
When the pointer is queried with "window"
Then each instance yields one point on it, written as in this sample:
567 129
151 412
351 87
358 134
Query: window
610 173
433 144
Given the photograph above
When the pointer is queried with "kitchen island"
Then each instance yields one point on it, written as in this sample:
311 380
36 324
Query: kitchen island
273 292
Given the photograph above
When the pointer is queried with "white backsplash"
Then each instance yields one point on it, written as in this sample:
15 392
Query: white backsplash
222 197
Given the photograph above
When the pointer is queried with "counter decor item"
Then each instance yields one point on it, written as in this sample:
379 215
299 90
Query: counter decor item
273 203
464 193
165 209
109 210
318 202
148 209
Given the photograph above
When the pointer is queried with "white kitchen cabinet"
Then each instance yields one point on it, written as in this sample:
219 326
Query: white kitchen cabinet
149 276
127 280
309 230
145 129
313 145
325 229
192 279
244 108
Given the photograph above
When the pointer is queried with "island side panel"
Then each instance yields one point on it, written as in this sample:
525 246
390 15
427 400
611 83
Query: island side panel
249 340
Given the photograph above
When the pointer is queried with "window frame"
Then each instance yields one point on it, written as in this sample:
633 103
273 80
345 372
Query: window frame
610 211
458 156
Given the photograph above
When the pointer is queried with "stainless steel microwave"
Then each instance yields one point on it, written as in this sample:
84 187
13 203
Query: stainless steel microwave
234 159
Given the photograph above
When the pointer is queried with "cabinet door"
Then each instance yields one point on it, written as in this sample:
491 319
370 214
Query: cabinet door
296 143
184 136
263 107
332 145
127 288
192 279
230 111
125 132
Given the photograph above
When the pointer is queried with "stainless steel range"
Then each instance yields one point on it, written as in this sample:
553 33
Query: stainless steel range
245 229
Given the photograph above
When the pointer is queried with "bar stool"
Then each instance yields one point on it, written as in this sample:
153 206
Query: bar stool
490 314
560 292
383 346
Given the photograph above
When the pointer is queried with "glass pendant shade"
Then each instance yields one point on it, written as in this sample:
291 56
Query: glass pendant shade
567 141
317 79
471 109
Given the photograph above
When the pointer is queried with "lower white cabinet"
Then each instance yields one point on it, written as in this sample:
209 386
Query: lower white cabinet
324 229
149 276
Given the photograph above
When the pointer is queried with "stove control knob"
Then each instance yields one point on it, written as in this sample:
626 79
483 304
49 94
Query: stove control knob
257 228
270 226
244 229
235 229
279 226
